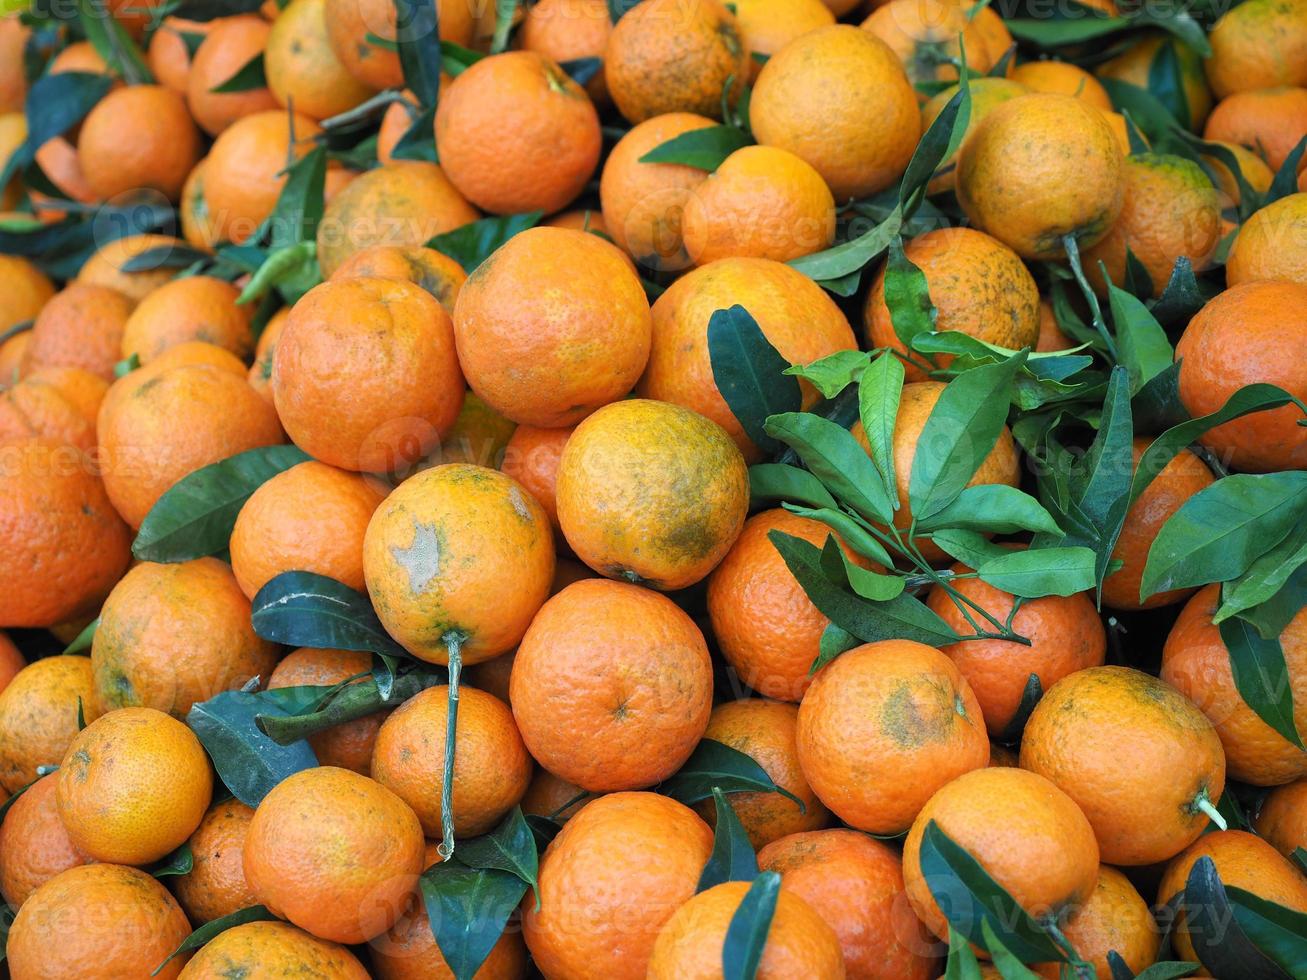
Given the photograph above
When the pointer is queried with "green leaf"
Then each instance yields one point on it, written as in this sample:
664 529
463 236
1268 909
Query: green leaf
468 909
509 847
347 702
971 548
249 763
1272 616
750 374
457 59
1144 108
993 507
1055 33
1156 405
1101 488
472 244
1040 572
1009 967
302 609
1158 971
250 76
703 149
1249 199
1183 296
834 641
196 515
938 143
1141 342
1030 695
849 258
907 296
171 256
836 458
833 373
1217 935
300 204
417 39
112 43
1299 857
1265 576
713 766
1261 676
732 857
879 391
1166 82
961 963
868 584
1279 932
293 269
1285 181
419 140
853 533
746 936
504 11
55 104
215 927
581 70
770 482
81 643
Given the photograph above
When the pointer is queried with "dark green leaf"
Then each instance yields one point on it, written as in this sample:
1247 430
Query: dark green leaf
581 70
55 104
1217 936
81 643
468 909
1161 971
543 829
834 641
301 609
1041 572
851 531
870 585
112 43
206 932
179 862
910 308
1249 199
732 857
509 847
250 76
961 963
1166 82
1148 113
470 245
1272 616
1156 406
836 458
1286 178
713 765
1101 488
417 39
750 374
1299 857
746 936
299 206
939 143
993 507
419 140
249 763
1261 676
349 702
171 256
848 258
1030 695
772 482
879 391
833 373
971 548
1183 296
1141 342
1047 33
1265 576
1279 932
703 149
206 10
1009 966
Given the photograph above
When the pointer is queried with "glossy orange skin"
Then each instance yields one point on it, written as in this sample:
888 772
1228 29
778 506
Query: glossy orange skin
1272 244
215 886
554 325
1134 753
62 545
349 744
567 30
97 922
1028 834
1282 819
458 549
138 136
1258 46
855 884
921 31
409 952
1114 918
38 716
1247 334
302 67
193 308
104 268
531 458
34 846
434 271
1268 121
611 686
349 22
1062 78
600 911
55 404
258 949
81 326
296 865
651 492
545 143
25 291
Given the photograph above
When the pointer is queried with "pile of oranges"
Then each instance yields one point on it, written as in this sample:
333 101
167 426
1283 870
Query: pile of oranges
619 488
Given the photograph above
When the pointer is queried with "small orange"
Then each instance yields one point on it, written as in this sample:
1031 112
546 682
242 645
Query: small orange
81 326
347 745
25 290
924 35
579 219
1280 820
38 716
1113 919
1268 121
531 458
169 54
138 137
768 25
193 210
34 846
303 71
259 374
434 271
190 308
350 22
552 797
568 30
105 267
479 435
409 952
227 47
1253 168
271 949
215 886
1051 337
1272 244
1258 45
1062 78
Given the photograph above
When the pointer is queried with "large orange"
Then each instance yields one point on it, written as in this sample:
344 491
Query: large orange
1272 244
215 886
138 137
38 716
1268 121
303 70
1257 45
350 22
347 745
81 326
34 846
105 266
192 308
1282 817
1113 919
225 50
768 25
532 457
56 404
434 271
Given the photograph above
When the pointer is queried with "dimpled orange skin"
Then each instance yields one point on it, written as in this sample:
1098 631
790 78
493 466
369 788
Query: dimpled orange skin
227 48
402 203
215 886
138 136
795 315
882 727
133 785
365 376
349 22
567 30
1268 121
409 952
98 922
651 492
1062 78
611 686
194 308
1272 244
531 458
552 326
1182 477
34 846
600 910
1039 167
1282 819
310 518
434 271
1258 45
1249 333
159 424
1065 635
349 744
1197 662
1028 834
301 67
765 731
979 286
49 404
643 202
838 98
458 548
265 950
1114 918
923 34
38 716
544 147
491 766
798 943
81 326
62 546
1134 753
104 267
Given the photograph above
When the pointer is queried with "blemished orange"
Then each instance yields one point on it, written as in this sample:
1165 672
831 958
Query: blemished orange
226 49
81 326
1182 477
1258 45
796 316
978 285
1062 78
308 518
675 56
1040 167
192 308
98 921
1272 244
1191 100
838 98
434 271
1028 834
62 545
409 952
531 458
924 35
34 846
768 25
38 716
215 886
1268 121
138 137
1249 333
458 552
350 22
568 30
600 911
1136 755
611 686
168 54
553 326
1113 919
1282 818
402 203
882 727
335 853
25 290
798 943
365 376
986 93
1065 635
105 267
55 404
347 745
257 949
643 202
1197 662
763 202
491 765
651 492
302 68
543 148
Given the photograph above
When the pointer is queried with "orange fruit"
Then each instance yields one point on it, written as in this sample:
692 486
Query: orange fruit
409 952
795 315
568 30
1280 820
1040 167
13 78
34 847
1062 78
986 93
11 660
553 326
1272 244
882 727
479 435
458 550
56 404
798 943
168 53
259 374
13 133
601 910
227 48
82 56
1028 834
197 223
1051 337
1135 754
1195 659
191 308
838 98
215 886
434 271
301 65
347 745
138 137
1253 168
651 492
335 853
81 326
12 351
531 458
768 25
257 949
62 546
1192 99
675 56
1258 45
611 686
552 797
365 375
762 202
349 22
98 921
193 353
1268 121
1113 919
924 34
105 267
25 290
1248 333
579 219
38 716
